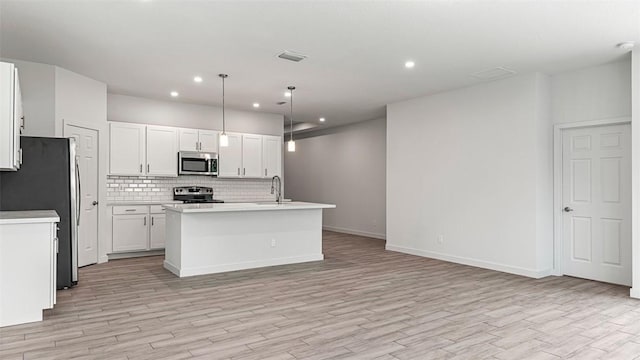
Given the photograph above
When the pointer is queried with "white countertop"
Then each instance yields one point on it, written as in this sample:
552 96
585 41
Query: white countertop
28 217
256 206
142 202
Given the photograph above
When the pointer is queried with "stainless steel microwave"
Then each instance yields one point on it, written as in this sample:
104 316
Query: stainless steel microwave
197 163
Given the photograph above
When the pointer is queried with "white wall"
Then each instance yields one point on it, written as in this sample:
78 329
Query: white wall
172 113
343 166
473 165
37 83
594 93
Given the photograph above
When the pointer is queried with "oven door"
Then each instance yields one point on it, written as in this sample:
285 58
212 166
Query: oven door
194 164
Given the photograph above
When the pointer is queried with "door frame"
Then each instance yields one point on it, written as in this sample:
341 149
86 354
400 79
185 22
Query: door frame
98 193
558 241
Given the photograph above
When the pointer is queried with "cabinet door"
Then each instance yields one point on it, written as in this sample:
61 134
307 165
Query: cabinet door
188 140
162 151
7 117
208 140
126 149
271 155
130 232
252 156
18 122
230 157
157 231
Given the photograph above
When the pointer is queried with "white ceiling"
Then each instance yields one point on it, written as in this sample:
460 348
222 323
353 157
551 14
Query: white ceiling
356 49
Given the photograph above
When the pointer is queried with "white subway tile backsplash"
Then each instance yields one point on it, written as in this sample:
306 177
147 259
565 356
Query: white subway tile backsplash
149 188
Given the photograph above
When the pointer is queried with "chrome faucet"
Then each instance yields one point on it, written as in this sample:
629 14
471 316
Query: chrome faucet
275 181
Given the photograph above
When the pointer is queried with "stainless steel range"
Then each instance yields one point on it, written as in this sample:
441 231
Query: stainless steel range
194 194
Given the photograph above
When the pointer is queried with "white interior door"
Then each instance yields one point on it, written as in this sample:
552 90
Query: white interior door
596 194
87 156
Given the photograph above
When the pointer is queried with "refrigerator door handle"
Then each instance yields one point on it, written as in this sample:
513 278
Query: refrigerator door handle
78 195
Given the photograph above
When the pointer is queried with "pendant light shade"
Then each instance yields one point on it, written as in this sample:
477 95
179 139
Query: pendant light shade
291 145
224 139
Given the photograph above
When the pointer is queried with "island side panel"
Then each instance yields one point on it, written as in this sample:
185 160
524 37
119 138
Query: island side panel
173 237
215 242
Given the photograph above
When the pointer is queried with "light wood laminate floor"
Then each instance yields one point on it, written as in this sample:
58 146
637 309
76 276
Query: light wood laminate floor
362 302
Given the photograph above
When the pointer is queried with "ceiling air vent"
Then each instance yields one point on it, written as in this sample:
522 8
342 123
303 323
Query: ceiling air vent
495 73
290 55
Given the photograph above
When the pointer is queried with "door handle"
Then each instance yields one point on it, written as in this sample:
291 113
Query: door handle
152 221
244 171
265 172
148 167
238 171
145 221
79 194
567 209
141 168
94 203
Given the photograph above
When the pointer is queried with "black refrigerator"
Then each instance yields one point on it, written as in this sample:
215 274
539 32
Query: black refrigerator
48 179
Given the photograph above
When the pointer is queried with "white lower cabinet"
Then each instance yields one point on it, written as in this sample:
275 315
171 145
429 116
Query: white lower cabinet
28 267
138 228
156 232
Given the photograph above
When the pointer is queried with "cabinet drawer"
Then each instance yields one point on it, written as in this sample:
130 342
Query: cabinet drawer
126 210
156 209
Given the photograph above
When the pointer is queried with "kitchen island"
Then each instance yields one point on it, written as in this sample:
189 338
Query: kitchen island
212 238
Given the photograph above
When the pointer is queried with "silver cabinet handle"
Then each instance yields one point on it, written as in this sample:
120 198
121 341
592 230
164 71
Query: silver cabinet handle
265 172
22 125
145 221
141 168
197 146
20 155
148 167
244 171
567 209
152 221
130 210
238 171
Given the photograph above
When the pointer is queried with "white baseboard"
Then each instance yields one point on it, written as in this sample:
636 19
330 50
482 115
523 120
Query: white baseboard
532 273
355 232
634 292
135 254
183 272
103 259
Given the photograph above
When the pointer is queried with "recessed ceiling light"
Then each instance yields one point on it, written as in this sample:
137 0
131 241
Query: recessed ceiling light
197 79
256 105
287 93
322 119
409 64
627 45
174 94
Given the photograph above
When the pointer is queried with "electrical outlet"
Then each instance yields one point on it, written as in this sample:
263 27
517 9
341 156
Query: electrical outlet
440 239
273 242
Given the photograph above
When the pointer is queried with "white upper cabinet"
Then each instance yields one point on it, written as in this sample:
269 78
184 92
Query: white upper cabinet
126 149
140 150
208 140
252 156
11 118
189 140
162 151
230 157
198 140
271 155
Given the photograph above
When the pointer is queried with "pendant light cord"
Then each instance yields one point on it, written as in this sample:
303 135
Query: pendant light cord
223 76
291 88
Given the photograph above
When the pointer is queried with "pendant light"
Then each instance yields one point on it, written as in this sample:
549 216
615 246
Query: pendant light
291 145
224 139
